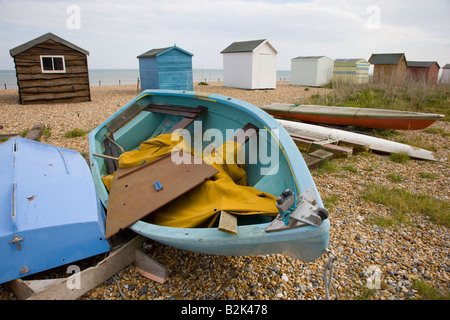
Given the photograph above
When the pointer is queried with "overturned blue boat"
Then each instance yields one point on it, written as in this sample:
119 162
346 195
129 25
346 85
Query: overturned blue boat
304 234
49 212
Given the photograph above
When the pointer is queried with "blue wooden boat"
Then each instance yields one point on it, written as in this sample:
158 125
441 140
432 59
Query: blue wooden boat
49 212
154 112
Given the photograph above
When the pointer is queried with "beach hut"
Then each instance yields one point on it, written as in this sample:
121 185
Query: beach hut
351 70
388 66
166 68
50 69
445 77
250 65
426 71
312 71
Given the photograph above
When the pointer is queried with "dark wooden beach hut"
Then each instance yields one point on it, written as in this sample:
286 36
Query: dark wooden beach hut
425 71
388 67
166 68
50 69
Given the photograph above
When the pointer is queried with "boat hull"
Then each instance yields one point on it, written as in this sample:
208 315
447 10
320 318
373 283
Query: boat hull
375 144
306 243
49 206
358 117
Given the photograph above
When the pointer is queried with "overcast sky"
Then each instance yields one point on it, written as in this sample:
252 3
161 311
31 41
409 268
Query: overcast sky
115 32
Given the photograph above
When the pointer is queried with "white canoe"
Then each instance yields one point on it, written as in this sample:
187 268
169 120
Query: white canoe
375 144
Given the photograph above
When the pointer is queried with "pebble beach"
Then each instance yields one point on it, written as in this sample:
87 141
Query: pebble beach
412 252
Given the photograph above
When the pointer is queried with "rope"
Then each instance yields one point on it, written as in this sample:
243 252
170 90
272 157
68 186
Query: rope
328 275
285 215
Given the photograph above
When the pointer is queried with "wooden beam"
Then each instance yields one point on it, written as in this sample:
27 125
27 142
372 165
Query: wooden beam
316 158
316 137
149 268
66 289
309 146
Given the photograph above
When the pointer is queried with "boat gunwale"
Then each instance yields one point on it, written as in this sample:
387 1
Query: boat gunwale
349 112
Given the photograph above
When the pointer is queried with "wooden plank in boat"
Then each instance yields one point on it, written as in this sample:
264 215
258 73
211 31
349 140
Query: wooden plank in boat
228 223
124 117
133 194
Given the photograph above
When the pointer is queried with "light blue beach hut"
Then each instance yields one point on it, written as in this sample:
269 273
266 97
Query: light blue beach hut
166 68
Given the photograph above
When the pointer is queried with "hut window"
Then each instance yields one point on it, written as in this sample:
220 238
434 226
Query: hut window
53 64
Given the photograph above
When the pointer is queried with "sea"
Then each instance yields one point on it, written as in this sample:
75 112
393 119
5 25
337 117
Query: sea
115 77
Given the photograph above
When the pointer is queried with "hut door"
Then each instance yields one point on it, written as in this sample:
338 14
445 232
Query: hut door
265 66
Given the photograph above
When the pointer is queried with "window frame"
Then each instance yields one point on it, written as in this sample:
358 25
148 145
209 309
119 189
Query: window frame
53 64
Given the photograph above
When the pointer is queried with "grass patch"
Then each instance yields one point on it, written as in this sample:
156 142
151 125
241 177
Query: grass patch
24 132
350 168
428 292
439 131
428 175
395 177
401 157
331 201
46 133
203 84
404 203
75 133
328 166
418 142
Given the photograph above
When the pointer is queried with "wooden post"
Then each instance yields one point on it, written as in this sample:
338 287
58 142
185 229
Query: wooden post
35 132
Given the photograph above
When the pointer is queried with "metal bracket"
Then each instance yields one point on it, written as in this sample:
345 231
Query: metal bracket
16 240
306 212
309 213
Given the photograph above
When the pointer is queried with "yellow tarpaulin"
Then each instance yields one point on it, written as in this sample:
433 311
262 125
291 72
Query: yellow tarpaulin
200 207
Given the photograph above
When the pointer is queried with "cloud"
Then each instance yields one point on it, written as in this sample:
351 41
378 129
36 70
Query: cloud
115 32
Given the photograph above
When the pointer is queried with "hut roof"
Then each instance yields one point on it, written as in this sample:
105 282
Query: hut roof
421 64
158 51
309 57
348 60
447 66
48 36
386 58
245 46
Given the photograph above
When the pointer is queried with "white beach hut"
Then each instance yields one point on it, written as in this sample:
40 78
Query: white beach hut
445 77
250 65
312 71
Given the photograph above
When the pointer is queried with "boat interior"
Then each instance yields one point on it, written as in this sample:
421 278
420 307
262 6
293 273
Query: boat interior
205 120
